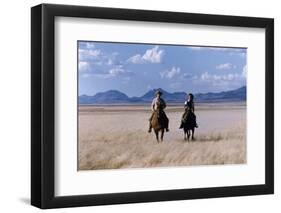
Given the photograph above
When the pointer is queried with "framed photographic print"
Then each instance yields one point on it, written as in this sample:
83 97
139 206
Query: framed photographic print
139 106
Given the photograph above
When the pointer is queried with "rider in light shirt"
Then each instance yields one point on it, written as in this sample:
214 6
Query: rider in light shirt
158 103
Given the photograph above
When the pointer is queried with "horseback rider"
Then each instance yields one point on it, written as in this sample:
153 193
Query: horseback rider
189 111
158 103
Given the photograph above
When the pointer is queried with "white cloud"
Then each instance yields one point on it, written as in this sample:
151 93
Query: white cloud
224 81
214 77
97 57
118 71
90 45
175 71
94 53
83 66
89 54
136 59
225 66
154 55
86 45
112 59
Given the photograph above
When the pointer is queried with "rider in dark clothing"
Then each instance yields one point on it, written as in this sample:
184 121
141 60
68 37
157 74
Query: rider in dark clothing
189 111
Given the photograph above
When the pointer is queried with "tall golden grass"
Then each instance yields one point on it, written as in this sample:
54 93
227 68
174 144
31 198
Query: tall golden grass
119 139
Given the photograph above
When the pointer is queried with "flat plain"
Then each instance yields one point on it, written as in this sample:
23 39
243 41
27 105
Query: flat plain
115 137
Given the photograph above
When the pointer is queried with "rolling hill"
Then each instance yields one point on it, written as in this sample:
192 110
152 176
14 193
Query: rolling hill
117 97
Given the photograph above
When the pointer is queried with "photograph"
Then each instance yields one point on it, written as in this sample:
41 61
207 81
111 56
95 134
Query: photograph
160 105
141 105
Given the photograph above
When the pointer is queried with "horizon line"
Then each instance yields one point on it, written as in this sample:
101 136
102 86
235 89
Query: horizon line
161 89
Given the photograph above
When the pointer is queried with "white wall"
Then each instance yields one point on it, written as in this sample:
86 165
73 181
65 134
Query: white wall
15 105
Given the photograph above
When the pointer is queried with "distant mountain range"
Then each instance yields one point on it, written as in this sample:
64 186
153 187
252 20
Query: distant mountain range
117 97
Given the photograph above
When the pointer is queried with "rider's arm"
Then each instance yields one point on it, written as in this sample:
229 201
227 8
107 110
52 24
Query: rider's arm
185 105
152 105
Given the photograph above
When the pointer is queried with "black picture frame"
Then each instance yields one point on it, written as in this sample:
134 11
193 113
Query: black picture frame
43 102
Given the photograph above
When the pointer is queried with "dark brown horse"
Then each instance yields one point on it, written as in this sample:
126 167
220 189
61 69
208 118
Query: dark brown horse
189 126
159 123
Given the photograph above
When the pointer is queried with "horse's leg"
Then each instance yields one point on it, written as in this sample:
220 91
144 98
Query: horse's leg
184 135
162 134
192 137
188 134
156 134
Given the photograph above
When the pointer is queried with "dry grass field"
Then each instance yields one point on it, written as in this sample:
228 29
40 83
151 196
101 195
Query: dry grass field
113 137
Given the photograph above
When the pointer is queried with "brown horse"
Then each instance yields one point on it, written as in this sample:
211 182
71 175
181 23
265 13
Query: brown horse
189 126
159 122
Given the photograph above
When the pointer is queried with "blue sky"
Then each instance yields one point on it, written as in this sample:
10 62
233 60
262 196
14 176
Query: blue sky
136 68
